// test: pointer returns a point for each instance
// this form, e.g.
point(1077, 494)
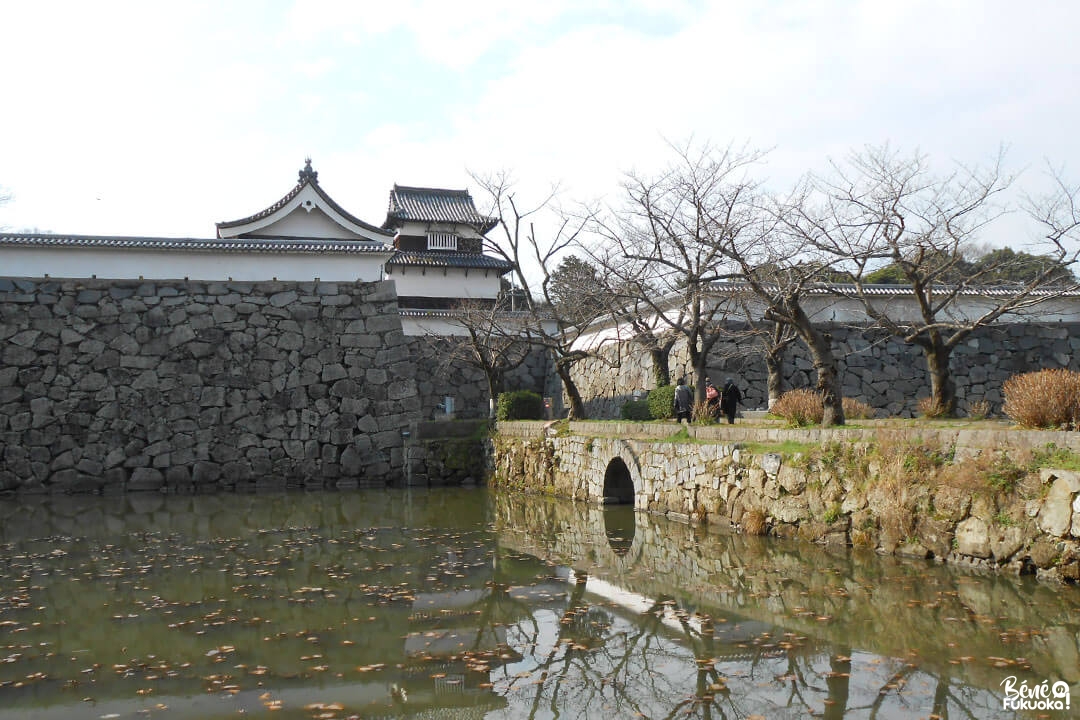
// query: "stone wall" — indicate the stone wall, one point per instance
point(440, 375)
point(887, 374)
point(894, 494)
point(130, 385)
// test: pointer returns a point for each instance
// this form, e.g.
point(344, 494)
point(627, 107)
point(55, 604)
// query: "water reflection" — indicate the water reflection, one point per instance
point(620, 524)
point(460, 604)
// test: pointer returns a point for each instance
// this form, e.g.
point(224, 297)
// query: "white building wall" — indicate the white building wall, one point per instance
point(301, 223)
point(70, 262)
point(825, 309)
point(422, 228)
point(445, 282)
point(415, 327)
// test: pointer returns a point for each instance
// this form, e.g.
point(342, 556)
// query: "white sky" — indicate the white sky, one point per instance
point(155, 118)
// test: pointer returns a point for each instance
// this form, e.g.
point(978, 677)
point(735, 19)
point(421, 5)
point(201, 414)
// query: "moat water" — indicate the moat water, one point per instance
point(470, 603)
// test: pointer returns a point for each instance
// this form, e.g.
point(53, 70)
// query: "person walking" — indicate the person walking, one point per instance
point(730, 397)
point(684, 401)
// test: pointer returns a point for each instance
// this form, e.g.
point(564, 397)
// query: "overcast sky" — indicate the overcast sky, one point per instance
point(155, 118)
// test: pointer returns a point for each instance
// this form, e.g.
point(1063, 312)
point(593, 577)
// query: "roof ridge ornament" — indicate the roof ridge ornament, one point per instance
point(307, 174)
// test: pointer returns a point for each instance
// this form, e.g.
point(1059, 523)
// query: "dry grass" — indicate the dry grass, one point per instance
point(862, 539)
point(929, 408)
point(753, 522)
point(1043, 399)
point(702, 414)
point(995, 471)
point(806, 407)
point(857, 409)
point(979, 410)
point(799, 407)
point(894, 509)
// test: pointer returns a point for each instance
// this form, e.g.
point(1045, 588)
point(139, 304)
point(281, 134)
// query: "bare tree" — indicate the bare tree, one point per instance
point(881, 206)
point(781, 283)
point(631, 300)
point(669, 238)
point(550, 323)
point(489, 343)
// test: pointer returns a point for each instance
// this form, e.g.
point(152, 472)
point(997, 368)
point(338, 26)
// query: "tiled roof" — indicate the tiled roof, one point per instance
point(850, 290)
point(435, 205)
point(238, 245)
point(419, 258)
point(307, 177)
point(452, 313)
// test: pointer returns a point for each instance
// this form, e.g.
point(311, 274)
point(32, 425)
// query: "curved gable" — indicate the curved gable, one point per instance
point(305, 212)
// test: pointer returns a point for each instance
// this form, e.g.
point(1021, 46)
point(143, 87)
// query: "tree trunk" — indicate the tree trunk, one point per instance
point(775, 381)
point(494, 383)
point(661, 368)
point(819, 344)
point(828, 379)
point(577, 406)
point(700, 368)
point(838, 683)
point(942, 384)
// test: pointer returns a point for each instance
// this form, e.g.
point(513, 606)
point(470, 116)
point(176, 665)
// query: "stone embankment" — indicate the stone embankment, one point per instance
point(968, 498)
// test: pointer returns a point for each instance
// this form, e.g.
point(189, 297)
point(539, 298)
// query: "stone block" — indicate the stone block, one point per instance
point(333, 372)
point(770, 463)
point(26, 338)
point(204, 473)
point(1070, 478)
point(282, 299)
point(1055, 517)
point(336, 300)
point(145, 478)
point(972, 538)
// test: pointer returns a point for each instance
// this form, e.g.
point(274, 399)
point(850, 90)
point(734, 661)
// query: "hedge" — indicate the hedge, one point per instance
point(662, 402)
point(636, 410)
point(520, 405)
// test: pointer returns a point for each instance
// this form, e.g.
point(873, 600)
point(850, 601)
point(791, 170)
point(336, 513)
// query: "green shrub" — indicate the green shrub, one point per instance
point(1051, 456)
point(636, 410)
point(662, 402)
point(1005, 473)
point(520, 405)
point(1043, 399)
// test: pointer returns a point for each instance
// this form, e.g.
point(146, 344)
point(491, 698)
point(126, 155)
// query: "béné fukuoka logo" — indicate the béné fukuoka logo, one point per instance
point(1042, 696)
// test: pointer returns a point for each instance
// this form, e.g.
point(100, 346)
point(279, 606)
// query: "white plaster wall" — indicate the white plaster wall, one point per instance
point(422, 228)
point(68, 262)
point(844, 310)
point(415, 327)
point(303, 223)
point(448, 282)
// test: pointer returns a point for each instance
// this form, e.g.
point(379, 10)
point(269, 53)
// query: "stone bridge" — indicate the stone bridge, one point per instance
point(844, 487)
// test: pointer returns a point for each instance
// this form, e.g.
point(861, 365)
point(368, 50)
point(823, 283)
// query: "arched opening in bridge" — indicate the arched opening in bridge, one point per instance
point(618, 485)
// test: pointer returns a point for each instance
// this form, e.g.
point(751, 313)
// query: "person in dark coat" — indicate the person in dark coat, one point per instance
point(730, 397)
point(684, 401)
